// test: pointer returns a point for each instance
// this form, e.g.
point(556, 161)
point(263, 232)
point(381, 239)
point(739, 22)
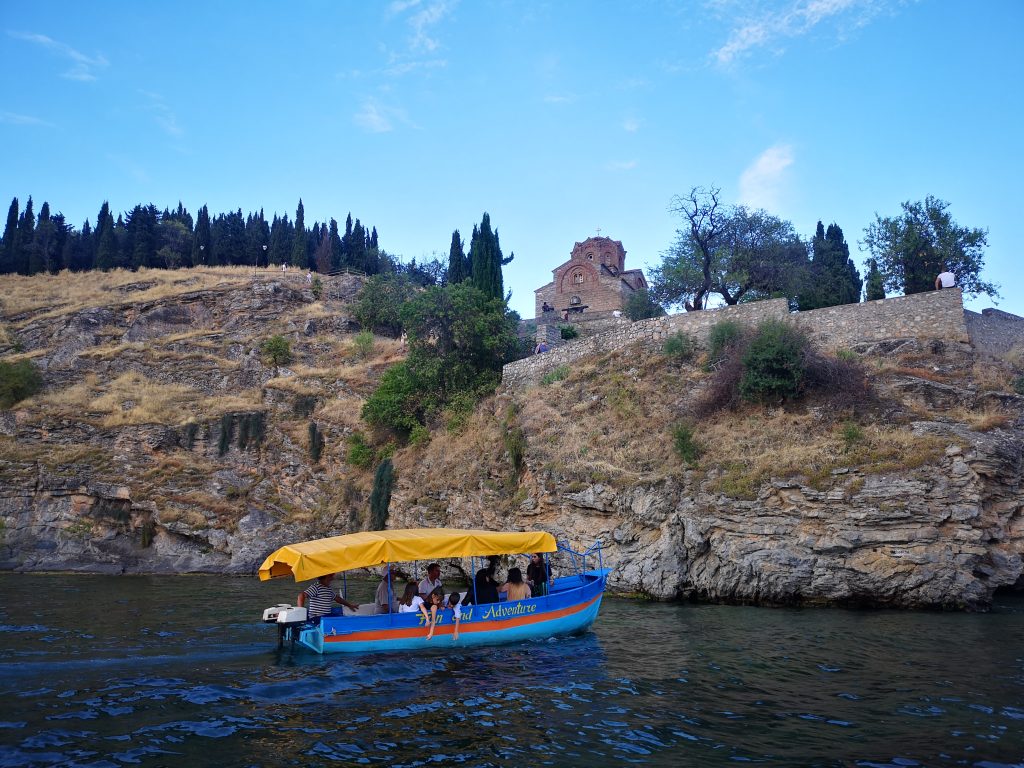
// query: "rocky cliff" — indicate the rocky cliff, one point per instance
point(164, 441)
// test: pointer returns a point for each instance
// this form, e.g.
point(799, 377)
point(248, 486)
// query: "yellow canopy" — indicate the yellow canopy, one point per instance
point(310, 559)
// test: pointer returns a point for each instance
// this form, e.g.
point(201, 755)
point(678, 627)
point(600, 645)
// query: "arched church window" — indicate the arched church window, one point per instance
point(577, 278)
point(590, 257)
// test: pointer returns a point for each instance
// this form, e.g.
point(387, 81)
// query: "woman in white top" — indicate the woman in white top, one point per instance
point(412, 602)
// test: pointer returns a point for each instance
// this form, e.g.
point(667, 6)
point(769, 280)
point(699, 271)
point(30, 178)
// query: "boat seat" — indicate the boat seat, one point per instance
point(365, 609)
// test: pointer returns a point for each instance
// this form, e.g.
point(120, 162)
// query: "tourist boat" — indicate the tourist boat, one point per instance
point(571, 605)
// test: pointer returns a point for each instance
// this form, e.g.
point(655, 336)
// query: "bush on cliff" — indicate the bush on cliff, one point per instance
point(276, 350)
point(18, 381)
point(776, 363)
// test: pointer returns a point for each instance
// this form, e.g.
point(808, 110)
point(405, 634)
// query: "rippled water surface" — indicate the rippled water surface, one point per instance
point(115, 671)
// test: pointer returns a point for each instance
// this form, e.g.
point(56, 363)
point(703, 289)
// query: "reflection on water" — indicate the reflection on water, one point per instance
point(114, 671)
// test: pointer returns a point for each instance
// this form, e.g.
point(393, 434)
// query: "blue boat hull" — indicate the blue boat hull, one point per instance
point(571, 607)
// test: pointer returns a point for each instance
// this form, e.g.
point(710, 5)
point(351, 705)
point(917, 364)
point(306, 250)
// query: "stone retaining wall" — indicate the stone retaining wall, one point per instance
point(931, 315)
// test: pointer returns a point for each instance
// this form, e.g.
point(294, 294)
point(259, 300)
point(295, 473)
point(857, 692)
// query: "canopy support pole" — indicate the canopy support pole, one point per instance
point(472, 570)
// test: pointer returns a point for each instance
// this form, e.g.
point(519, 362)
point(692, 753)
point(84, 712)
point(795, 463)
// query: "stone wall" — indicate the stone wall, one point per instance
point(994, 332)
point(931, 315)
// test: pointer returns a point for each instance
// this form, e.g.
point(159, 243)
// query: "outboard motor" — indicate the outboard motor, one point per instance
point(287, 617)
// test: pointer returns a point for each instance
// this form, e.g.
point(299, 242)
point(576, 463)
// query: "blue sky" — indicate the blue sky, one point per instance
point(555, 117)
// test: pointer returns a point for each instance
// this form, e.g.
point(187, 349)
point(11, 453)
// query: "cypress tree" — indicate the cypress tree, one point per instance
point(336, 247)
point(486, 260)
point(456, 260)
point(42, 257)
point(380, 496)
point(26, 238)
point(10, 242)
point(201, 238)
point(298, 257)
point(874, 288)
point(106, 242)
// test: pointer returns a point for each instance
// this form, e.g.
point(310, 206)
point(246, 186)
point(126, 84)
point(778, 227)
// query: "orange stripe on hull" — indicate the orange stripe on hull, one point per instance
point(448, 629)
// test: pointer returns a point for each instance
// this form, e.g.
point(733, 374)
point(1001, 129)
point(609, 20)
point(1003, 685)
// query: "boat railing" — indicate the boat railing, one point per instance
point(579, 559)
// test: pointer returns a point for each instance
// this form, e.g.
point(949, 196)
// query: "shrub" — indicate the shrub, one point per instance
point(851, 434)
point(276, 350)
point(725, 335)
point(568, 332)
point(191, 430)
point(557, 374)
point(773, 363)
point(847, 355)
point(1018, 385)
point(364, 343)
point(679, 347)
point(396, 401)
point(460, 408)
point(18, 381)
point(316, 442)
point(515, 444)
point(419, 435)
point(686, 446)
point(360, 453)
point(317, 288)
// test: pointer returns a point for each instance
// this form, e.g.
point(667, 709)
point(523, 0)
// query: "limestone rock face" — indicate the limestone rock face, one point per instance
point(942, 536)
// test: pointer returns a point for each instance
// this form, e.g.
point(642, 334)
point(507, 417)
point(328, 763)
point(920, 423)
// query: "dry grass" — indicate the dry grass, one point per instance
point(342, 411)
point(992, 377)
point(53, 295)
point(134, 399)
point(981, 419)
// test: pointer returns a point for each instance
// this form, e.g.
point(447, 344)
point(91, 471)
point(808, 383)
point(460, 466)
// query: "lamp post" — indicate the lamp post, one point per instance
point(202, 256)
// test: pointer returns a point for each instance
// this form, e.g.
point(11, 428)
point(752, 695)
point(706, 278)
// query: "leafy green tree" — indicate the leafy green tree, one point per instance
point(733, 252)
point(378, 307)
point(458, 339)
point(457, 267)
point(280, 241)
point(832, 278)
point(640, 305)
point(874, 288)
point(143, 240)
point(276, 350)
point(175, 248)
point(335, 241)
point(380, 496)
point(911, 249)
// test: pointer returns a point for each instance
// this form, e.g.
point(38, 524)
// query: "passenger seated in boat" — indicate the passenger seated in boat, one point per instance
point(411, 601)
point(486, 587)
point(321, 598)
point(384, 605)
point(515, 587)
point(435, 602)
point(432, 580)
point(453, 603)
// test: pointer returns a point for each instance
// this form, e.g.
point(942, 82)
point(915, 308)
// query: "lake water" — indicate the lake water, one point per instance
point(178, 671)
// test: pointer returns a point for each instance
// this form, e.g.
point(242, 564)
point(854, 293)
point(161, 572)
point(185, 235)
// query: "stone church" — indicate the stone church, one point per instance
point(593, 281)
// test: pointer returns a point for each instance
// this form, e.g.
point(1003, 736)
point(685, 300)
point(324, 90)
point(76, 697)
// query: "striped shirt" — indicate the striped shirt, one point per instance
point(320, 599)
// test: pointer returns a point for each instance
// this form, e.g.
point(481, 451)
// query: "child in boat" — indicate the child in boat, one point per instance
point(453, 603)
point(412, 602)
point(515, 587)
point(435, 601)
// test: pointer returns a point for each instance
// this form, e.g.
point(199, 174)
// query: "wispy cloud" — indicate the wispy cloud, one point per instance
point(772, 28)
point(762, 182)
point(424, 19)
point(13, 118)
point(631, 125)
point(622, 165)
point(164, 116)
point(559, 98)
point(375, 117)
point(83, 67)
